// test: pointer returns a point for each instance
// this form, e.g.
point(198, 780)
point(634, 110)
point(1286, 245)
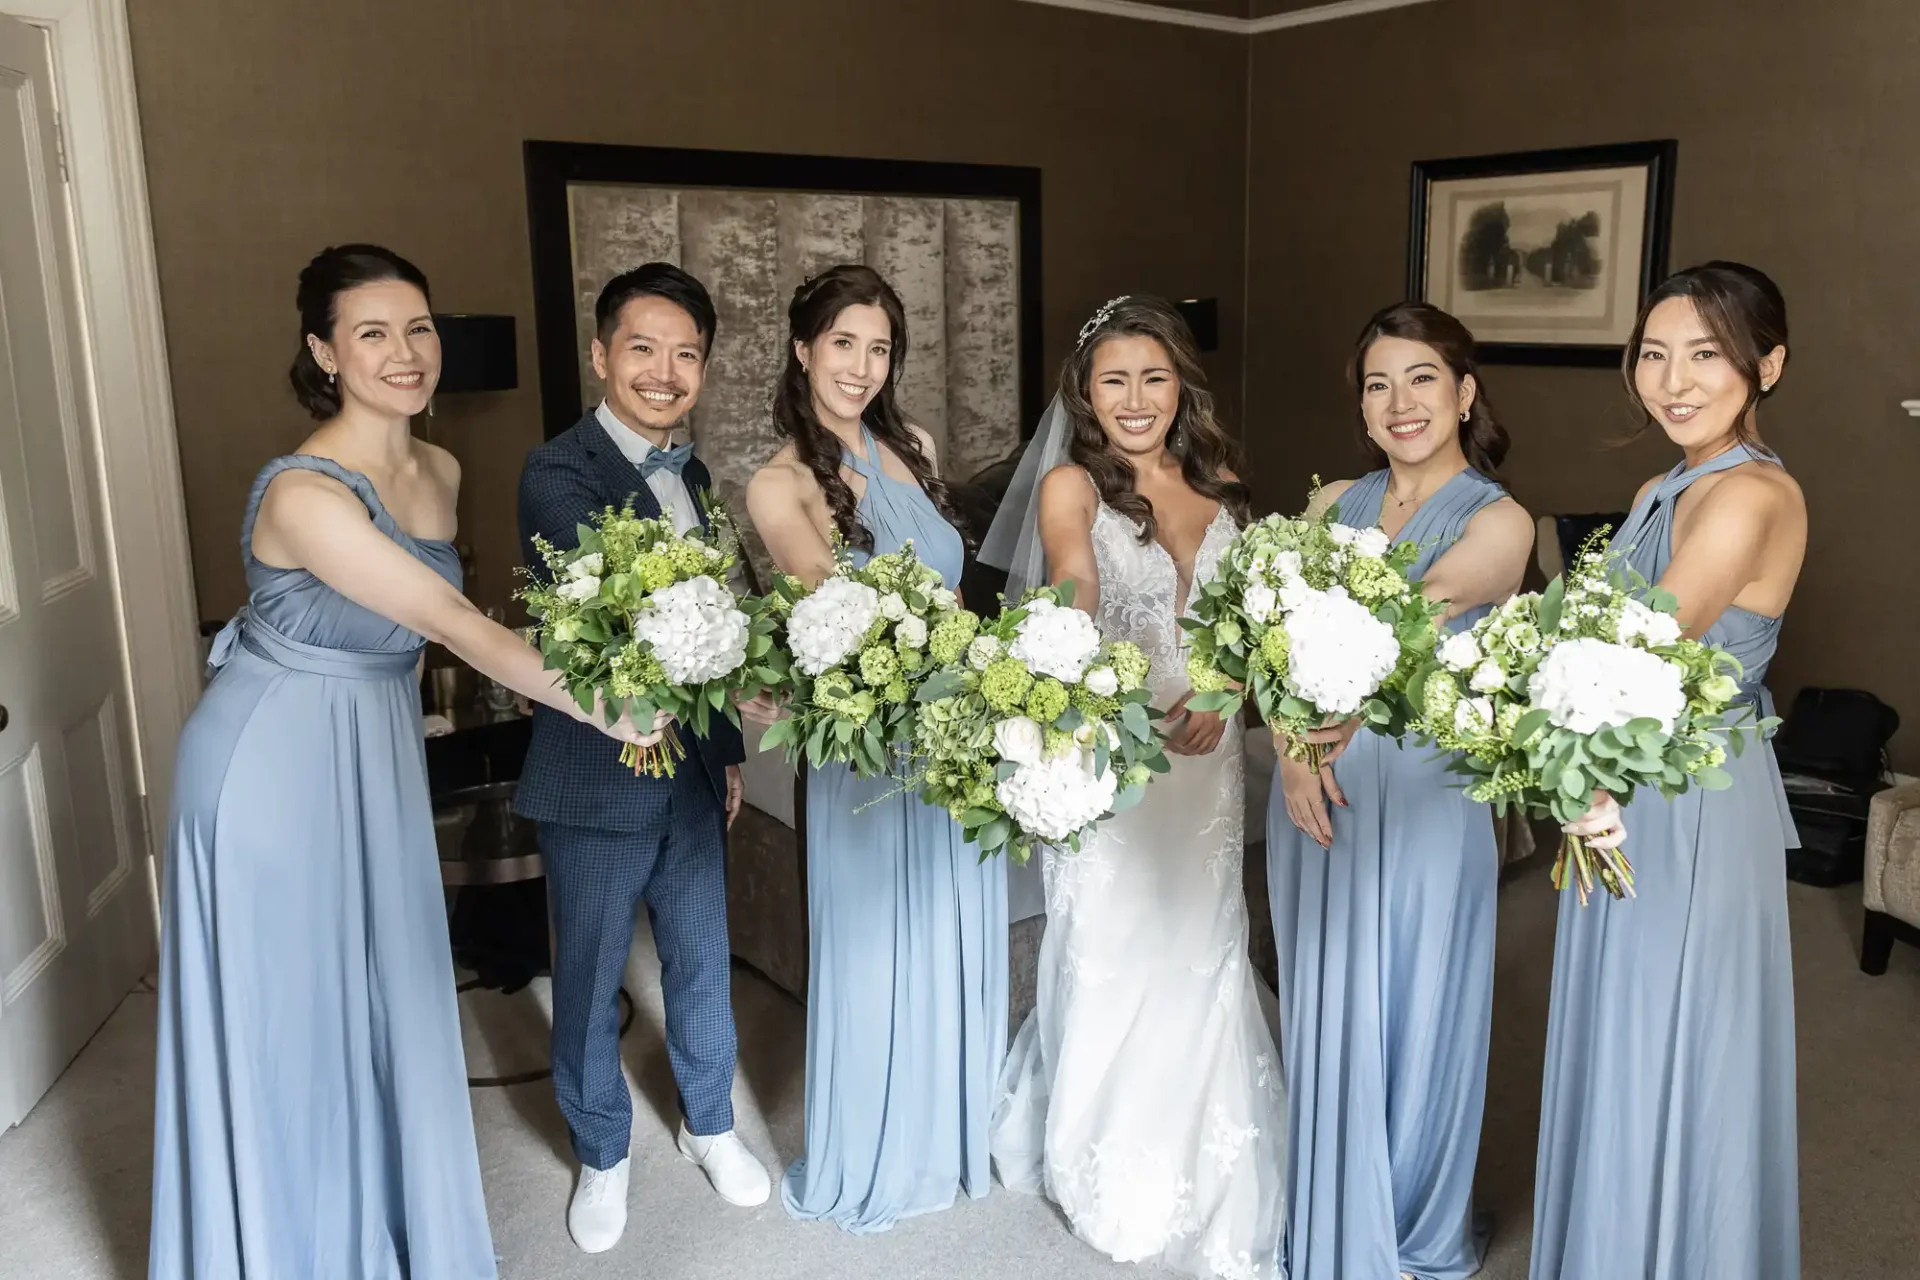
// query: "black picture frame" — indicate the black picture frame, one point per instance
point(551, 166)
point(1658, 158)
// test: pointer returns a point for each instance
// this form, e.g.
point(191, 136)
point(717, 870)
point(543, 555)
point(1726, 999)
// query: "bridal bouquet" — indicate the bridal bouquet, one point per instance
point(854, 650)
point(641, 616)
point(1586, 686)
point(1317, 621)
point(1034, 729)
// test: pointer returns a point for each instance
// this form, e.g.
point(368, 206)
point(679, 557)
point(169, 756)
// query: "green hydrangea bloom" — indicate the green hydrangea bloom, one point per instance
point(1129, 664)
point(1046, 700)
point(1004, 685)
point(878, 665)
point(1371, 580)
point(896, 691)
point(1056, 743)
point(655, 570)
point(635, 670)
point(1273, 649)
point(1439, 699)
point(951, 636)
point(689, 559)
point(911, 660)
point(1202, 675)
point(1092, 705)
point(1136, 776)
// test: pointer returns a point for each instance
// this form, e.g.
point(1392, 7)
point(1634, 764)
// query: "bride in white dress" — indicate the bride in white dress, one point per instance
point(1144, 1094)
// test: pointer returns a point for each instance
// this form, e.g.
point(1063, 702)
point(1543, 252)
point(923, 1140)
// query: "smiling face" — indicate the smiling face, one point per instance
point(653, 363)
point(1411, 401)
point(849, 362)
point(384, 349)
point(1135, 393)
point(1687, 382)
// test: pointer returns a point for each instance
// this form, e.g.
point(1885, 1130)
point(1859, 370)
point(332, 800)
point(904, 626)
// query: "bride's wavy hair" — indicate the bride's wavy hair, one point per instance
point(816, 304)
point(1205, 450)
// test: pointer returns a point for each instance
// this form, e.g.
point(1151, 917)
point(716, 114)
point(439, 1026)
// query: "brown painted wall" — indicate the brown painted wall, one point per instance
point(1798, 153)
point(272, 129)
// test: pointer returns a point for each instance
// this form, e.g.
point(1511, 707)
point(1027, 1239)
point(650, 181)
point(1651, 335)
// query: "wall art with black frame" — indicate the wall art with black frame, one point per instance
point(1544, 255)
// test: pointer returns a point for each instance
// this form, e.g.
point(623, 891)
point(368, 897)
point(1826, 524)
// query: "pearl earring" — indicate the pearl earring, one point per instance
point(1466, 415)
point(1766, 386)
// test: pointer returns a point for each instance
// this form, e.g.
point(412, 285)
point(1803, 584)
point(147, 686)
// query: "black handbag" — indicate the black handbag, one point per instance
point(1832, 751)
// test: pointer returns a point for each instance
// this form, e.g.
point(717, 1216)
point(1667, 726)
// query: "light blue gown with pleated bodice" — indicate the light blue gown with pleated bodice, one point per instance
point(311, 1115)
point(1385, 945)
point(907, 990)
point(1668, 1147)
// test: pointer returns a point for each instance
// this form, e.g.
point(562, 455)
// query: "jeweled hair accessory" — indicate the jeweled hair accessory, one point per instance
point(1100, 317)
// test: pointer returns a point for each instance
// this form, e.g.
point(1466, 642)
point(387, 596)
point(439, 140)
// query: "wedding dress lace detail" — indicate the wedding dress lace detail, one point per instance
point(1144, 1094)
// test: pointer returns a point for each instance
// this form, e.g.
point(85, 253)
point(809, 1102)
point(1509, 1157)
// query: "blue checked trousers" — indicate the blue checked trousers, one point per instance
point(597, 879)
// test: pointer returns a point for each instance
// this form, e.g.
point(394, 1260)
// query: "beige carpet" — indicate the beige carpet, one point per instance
point(74, 1175)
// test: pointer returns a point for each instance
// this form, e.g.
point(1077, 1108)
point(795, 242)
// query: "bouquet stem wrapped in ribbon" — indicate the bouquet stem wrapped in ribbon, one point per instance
point(1035, 728)
point(1317, 622)
point(640, 618)
point(1587, 686)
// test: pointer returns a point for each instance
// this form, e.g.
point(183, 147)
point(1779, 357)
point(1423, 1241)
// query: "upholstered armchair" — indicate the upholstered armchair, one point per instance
point(1891, 886)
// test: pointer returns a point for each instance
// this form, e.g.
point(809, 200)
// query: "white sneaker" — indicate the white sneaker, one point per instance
point(598, 1215)
point(730, 1167)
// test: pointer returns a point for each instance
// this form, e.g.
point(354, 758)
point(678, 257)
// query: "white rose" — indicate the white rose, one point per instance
point(1489, 678)
point(1103, 682)
point(982, 652)
point(1260, 601)
point(1472, 715)
point(587, 566)
point(1461, 651)
point(1372, 542)
point(579, 590)
point(1294, 592)
point(1344, 534)
point(1019, 739)
point(1288, 565)
point(911, 631)
point(892, 607)
point(944, 599)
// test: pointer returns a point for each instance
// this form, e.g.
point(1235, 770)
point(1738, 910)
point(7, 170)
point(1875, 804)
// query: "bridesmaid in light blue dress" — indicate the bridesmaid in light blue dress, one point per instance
point(1383, 911)
point(907, 993)
point(1667, 1129)
point(311, 1115)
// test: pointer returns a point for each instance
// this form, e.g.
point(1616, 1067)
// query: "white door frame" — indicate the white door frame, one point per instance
point(119, 289)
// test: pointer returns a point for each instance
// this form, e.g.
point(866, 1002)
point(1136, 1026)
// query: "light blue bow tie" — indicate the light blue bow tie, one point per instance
point(673, 460)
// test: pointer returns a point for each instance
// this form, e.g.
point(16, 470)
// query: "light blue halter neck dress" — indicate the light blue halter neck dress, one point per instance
point(1668, 1146)
point(907, 989)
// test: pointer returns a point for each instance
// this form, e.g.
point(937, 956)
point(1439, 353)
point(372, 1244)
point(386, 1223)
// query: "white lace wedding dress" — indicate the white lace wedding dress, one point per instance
point(1144, 1095)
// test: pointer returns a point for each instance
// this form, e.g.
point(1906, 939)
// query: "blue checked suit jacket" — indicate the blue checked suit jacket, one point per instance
point(573, 773)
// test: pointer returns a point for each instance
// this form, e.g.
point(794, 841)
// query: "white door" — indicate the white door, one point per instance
point(75, 930)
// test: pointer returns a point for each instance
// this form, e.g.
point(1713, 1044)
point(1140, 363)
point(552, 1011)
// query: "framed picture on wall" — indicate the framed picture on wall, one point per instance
point(1545, 255)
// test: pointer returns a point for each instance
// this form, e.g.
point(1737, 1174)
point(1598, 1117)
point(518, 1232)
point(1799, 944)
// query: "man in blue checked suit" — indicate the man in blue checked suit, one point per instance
point(611, 840)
